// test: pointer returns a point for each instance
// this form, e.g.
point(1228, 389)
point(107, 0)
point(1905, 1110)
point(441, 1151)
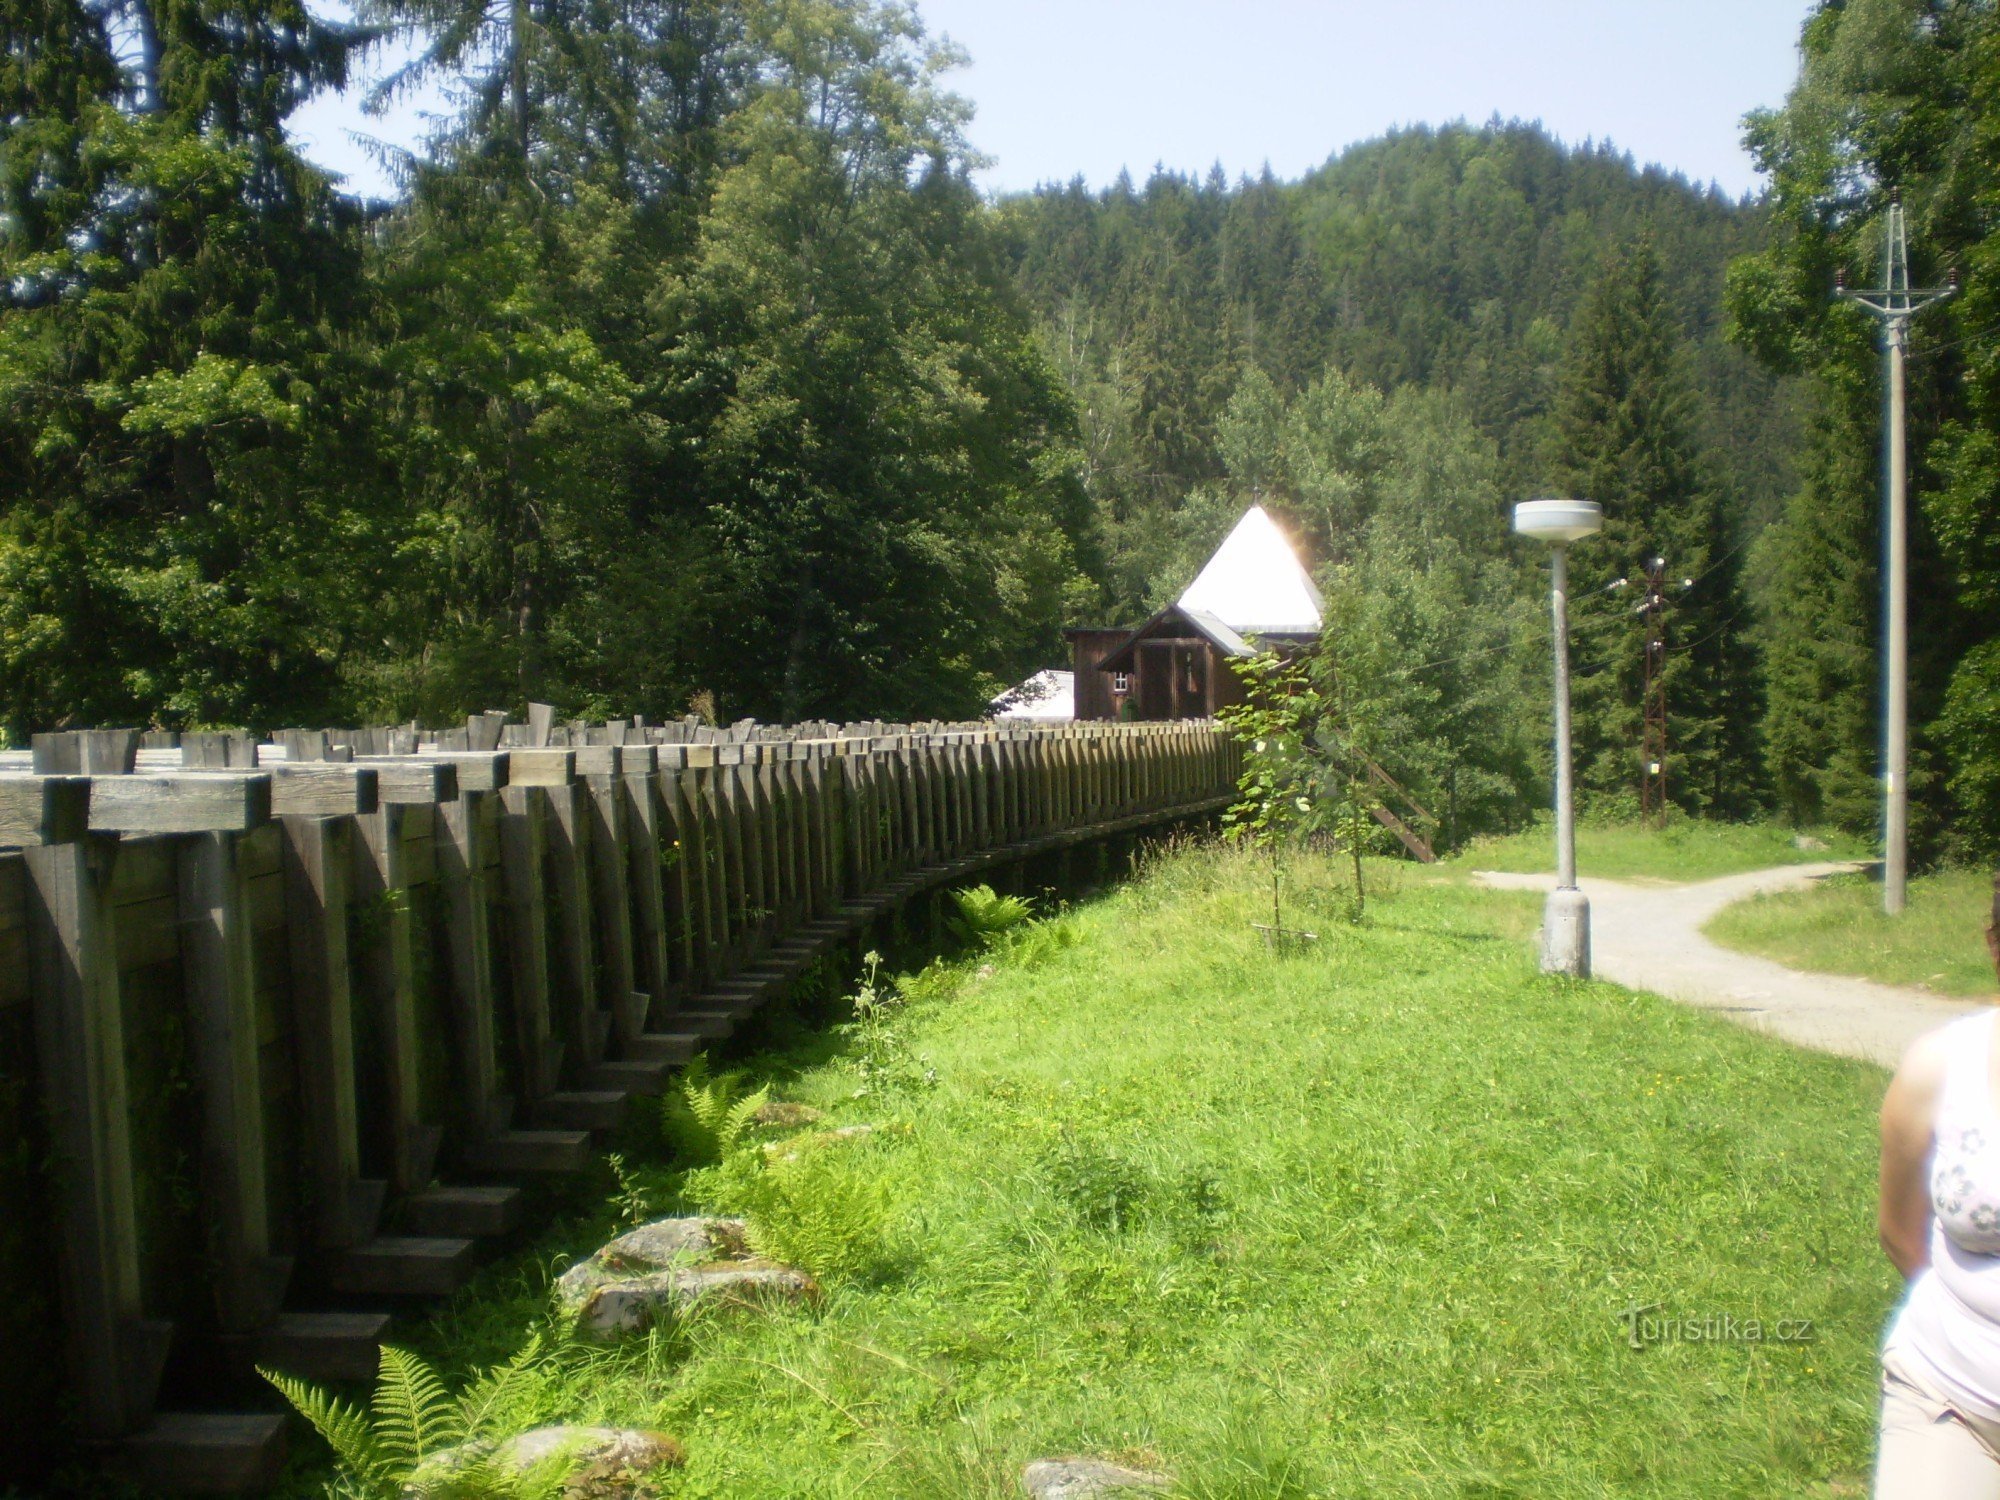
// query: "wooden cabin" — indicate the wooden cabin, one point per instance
point(1252, 595)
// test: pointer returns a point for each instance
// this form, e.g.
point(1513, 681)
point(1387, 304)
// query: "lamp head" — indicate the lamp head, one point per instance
point(1558, 521)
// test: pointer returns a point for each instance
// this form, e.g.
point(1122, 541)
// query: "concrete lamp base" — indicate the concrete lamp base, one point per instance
point(1566, 934)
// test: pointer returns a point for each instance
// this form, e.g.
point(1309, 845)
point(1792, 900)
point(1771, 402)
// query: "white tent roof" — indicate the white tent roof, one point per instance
point(1255, 584)
point(1046, 698)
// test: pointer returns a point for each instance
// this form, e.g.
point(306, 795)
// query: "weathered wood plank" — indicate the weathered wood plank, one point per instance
point(325, 789)
point(523, 862)
point(463, 857)
point(408, 780)
point(37, 810)
point(191, 802)
point(385, 988)
point(220, 983)
point(574, 995)
point(318, 865)
point(611, 839)
point(542, 767)
point(80, 1049)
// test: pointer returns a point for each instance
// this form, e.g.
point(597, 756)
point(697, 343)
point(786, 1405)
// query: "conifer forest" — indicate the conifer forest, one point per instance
point(688, 366)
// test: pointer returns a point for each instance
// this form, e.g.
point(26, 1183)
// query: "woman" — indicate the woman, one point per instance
point(1940, 1223)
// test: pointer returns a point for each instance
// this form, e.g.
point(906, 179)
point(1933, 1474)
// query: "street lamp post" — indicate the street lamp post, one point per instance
point(1566, 918)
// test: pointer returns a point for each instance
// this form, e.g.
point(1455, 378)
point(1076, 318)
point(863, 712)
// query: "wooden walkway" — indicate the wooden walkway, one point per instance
point(285, 1028)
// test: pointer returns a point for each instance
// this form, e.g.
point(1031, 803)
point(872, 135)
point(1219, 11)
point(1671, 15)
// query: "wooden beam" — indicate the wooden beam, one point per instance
point(189, 802)
point(406, 779)
point(38, 810)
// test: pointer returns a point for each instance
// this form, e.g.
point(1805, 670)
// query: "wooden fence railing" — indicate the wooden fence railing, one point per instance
point(282, 1029)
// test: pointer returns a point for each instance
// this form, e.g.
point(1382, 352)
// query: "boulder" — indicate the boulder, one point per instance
point(637, 1303)
point(649, 1249)
point(658, 1270)
point(1087, 1478)
point(597, 1463)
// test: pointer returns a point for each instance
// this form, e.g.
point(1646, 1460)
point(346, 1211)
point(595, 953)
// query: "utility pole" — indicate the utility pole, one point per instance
point(1653, 736)
point(1894, 303)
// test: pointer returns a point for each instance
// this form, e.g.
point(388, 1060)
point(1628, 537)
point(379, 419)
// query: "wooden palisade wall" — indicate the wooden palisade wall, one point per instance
point(279, 1035)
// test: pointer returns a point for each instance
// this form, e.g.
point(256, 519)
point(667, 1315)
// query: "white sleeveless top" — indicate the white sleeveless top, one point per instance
point(1949, 1325)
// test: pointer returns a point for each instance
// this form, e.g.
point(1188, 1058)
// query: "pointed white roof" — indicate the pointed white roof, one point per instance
point(1046, 698)
point(1255, 584)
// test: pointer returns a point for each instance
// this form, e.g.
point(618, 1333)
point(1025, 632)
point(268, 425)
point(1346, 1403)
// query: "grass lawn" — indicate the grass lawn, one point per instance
point(1686, 849)
point(1359, 1222)
point(1837, 927)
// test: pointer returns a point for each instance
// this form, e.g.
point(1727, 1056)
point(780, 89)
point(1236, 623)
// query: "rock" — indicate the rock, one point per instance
point(1809, 844)
point(782, 1114)
point(659, 1270)
point(599, 1463)
point(1086, 1478)
point(798, 1145)
point(637, 1303)
point(649, 1249)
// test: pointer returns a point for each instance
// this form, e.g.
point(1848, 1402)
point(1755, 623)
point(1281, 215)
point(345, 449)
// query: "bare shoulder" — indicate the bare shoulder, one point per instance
point(1921, 1072)
point(1930, 1054)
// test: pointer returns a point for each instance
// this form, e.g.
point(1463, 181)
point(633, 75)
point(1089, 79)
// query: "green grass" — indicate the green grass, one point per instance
point(1686, 849)
point(1838, 927)
point(1360, 1222)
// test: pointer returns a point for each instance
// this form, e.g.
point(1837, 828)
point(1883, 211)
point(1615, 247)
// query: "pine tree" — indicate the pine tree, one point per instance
point(1624, 436)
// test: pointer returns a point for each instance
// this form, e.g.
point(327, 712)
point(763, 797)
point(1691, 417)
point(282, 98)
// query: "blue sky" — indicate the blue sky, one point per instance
point(1092, 86)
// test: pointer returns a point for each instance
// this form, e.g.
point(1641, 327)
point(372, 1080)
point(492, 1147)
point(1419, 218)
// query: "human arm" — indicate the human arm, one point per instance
point(1909, 1111)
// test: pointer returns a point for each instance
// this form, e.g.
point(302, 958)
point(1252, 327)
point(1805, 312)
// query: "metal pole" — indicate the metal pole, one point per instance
point(1896, 834)
point(1895, 302)
point(1565, 791)
point(1566, 915)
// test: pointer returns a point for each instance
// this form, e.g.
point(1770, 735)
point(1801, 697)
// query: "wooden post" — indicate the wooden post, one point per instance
point(317, 857)
point(216, 964)
point(114, 1353)
point(585, 1023)
point(465, 827)
point(742, 885)
point(385, 981)
point(607, 889)
point(689, 799)
point(654, 886)
point(524, 859)
point(758, 877)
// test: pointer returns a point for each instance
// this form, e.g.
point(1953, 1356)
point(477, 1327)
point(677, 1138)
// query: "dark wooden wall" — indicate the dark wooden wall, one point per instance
point(281, 1039)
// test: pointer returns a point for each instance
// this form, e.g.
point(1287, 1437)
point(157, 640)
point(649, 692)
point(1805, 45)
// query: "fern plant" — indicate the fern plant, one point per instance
point(824, 1214)
point(985, 917)
point(707, 1117)
point(417, 1439)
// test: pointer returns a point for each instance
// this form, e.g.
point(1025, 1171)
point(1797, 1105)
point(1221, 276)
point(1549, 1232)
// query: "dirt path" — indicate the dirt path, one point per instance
point(1649, 937)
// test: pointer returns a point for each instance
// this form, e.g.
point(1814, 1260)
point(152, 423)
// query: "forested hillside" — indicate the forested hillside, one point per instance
point(1453, 260)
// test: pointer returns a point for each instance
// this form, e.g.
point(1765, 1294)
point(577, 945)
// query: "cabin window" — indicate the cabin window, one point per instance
point(1121, 682)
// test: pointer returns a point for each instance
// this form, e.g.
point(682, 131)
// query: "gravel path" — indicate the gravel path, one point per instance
point(1648, 937)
